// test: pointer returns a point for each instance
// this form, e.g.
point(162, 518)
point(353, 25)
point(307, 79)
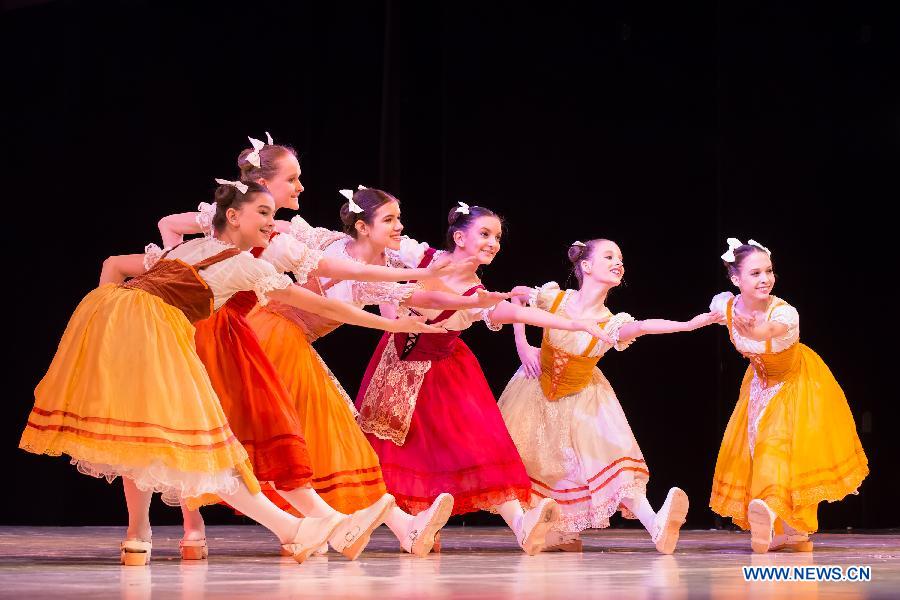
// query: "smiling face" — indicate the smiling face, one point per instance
point(386, 230)
point(605, 264)
point(285, 184)
point(252, 223)
point(755, 276)
point(481, 238)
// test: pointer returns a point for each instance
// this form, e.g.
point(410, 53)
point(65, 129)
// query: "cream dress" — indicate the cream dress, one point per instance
point(579, 449)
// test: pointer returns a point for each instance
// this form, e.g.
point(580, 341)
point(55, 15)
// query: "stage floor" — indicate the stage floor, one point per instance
point(477, 562)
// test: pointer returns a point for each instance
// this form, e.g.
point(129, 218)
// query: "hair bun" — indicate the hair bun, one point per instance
point(225, 195)
point(347, 218)
point(576, 252)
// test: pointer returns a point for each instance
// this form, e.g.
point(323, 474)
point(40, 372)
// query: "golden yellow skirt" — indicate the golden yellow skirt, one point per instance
point(126, 395)
point(806, 451)
point(346, 470)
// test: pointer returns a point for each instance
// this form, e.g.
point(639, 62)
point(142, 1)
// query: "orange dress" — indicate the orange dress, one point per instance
point(346, 470)
point(258, 405)
point(791, 440)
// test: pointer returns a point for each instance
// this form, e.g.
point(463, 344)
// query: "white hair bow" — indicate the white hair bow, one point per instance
point(463, 208)
point(760, 246)
point(205, 217)
point(734, 244)
point(348, 194)
point(241, 187)
point(253, 157)
point(577, 243)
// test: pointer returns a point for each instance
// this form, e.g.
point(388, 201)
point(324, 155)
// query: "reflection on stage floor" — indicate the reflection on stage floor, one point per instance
point(476, 562)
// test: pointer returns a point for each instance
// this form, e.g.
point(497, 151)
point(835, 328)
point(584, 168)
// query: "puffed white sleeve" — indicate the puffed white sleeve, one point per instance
point(258, 275)
point(317, 238)
point(409, 255)
point(152, 254)
point(789, 316)
point(287, 254)
point(720, 302)
point(542, 296)
point(613, 326)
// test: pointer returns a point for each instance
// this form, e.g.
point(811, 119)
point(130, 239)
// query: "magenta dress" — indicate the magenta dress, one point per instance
point(432, 419)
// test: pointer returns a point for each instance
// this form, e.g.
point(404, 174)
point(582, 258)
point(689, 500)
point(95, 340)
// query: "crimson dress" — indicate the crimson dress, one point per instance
point(432, 419)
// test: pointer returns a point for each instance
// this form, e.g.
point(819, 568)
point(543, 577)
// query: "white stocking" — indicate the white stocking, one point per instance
point(307, 501)
point(138, 503)
point(398, 522)
point(194, 527)
point(512, 513)
point(641, 509)
point(260, 509)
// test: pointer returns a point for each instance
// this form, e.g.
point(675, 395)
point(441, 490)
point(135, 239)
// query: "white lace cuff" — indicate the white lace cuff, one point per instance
point(152, 254)
point(307, 264)
point(539, 293)
point(612, 329)
point(268, 283)
point(383, 292)
point(486, 317)
point(205, 217)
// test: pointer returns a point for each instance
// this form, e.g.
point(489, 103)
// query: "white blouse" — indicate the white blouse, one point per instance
point(783, 313)
point(228, 277)
point(287, 254)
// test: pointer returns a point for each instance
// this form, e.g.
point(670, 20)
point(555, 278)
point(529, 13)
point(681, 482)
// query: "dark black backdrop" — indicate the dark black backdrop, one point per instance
point(664, 126)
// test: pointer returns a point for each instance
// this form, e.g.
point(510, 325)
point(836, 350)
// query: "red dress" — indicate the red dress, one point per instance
point(455, 439)
point(256, 402)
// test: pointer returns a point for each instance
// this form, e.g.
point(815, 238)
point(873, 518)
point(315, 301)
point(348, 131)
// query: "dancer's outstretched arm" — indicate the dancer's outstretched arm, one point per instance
point(635, 329)
point(448, 301)
point(339, 268)
point(347, 313)
point(506, 312)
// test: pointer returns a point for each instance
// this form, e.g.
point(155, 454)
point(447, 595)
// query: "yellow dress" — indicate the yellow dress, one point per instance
point(127, 395)
point(791, 440)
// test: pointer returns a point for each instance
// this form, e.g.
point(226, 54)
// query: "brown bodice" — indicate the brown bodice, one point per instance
point(180, 285)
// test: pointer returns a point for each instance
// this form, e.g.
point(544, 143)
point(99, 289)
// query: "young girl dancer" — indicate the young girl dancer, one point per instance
point(346, 471)
point(791, 441)
point(127, 395)
point(427, 408)
point(568, 425)
point(258, 406)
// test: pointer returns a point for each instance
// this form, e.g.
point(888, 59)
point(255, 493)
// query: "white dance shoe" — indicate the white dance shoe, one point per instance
point(535, 523)
point(351, 536)
point(311, 534)
point(762, 525)
point(669, 519)
point(419, 539)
